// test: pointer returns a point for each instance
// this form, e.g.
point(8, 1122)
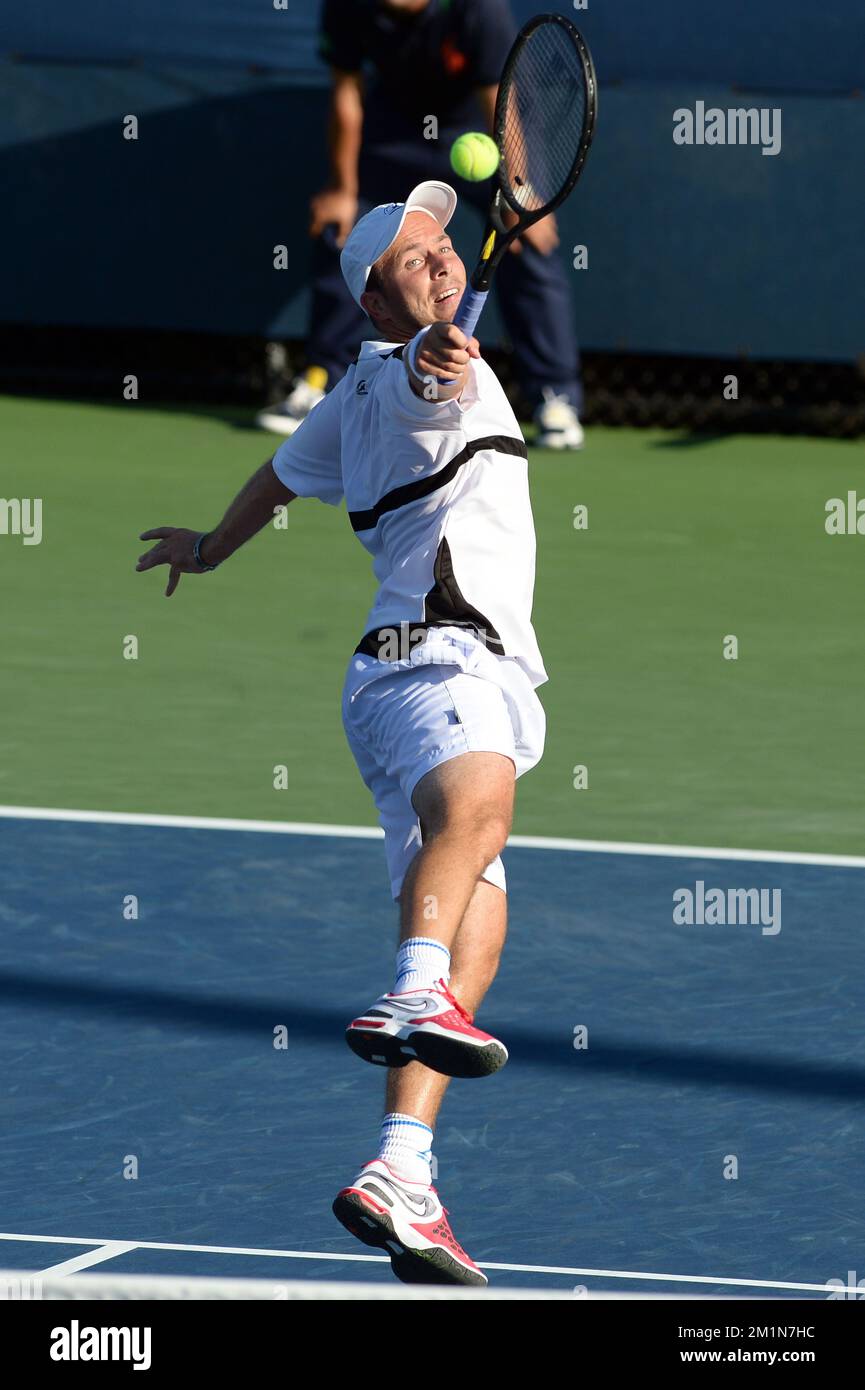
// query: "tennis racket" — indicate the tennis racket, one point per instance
point(544, 122)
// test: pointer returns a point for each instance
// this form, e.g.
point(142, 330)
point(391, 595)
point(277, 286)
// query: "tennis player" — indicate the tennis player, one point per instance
point(439, 702)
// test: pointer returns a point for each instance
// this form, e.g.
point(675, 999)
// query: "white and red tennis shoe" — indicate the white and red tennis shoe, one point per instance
point(407, 1221)
point(425, 1025)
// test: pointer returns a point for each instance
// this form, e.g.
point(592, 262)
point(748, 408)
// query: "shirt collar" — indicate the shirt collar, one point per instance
point(374, 349)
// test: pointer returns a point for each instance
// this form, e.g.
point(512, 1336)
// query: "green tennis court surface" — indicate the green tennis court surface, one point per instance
point(688, 541)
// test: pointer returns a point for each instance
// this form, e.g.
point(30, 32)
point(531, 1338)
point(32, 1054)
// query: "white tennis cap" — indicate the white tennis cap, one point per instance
point(377, 230)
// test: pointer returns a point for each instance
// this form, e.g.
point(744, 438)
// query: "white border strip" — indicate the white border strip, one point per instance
point(365, 832)
point(121, 1287)
point(486, 1264)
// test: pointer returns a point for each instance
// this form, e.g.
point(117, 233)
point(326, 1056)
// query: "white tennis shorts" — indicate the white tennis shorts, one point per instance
point(403, 718)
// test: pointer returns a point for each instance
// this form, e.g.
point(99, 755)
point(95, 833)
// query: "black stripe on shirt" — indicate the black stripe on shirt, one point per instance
point(446, 604)
point(412, 492)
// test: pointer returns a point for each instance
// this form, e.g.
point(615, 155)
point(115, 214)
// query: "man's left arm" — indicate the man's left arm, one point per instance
point(251, 510)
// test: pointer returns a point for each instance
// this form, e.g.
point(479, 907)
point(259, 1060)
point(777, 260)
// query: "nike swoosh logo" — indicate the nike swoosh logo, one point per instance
point(419, 1006)
point(421, 1206)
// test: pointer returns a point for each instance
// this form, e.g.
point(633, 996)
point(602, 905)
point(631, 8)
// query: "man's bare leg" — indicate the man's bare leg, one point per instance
point(417, 1090)
point(418, 1237)
point(465, 807)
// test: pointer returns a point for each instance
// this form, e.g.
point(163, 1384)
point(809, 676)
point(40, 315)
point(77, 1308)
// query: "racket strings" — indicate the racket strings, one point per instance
point(545, 117)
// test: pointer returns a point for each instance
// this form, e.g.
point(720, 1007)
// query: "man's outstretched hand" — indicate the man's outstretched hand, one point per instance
point(175, 548)
point(445, 350)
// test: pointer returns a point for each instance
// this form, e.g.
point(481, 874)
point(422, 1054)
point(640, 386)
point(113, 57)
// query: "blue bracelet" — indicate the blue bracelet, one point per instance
point(414, 349)
point(196, 552)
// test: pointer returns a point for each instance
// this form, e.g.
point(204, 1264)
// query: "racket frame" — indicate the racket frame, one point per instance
point(497, 236)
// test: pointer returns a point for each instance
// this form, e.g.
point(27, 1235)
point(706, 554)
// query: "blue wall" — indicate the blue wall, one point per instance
point(793, 45)
point(702, 249)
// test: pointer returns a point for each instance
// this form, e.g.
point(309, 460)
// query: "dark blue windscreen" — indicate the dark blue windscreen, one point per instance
point(775, 44)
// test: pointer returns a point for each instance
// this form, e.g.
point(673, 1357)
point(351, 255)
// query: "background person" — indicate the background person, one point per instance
point(394, 63)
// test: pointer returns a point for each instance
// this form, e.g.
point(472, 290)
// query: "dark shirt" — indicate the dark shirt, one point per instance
point(423, 64)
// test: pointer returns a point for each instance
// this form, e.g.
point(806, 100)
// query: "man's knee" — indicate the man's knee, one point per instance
point(470, 799)
point(481, 829)
point(492, 829)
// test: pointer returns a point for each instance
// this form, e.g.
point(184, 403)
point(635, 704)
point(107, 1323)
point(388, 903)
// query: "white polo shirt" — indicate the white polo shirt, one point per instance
point(436, 491)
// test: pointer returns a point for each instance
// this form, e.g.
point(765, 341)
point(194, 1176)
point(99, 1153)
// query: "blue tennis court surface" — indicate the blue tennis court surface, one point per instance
point(149, 1041)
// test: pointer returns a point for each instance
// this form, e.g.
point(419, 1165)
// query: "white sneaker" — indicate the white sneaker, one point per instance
point(286, 417)
point(425, 1025)
point(558, 423)
point(408, 1222)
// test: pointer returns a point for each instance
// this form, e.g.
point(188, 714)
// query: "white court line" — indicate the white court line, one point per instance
point(275, 827)
point(381, 1259)
point(367, 832)
point(205, 1249)
point(90, 1257)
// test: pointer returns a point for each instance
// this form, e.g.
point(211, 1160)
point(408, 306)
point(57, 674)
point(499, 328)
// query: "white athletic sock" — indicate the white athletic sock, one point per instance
point(420, 961)
point(406, 1147)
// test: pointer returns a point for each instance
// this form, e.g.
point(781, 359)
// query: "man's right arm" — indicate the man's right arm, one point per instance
point(441, 351)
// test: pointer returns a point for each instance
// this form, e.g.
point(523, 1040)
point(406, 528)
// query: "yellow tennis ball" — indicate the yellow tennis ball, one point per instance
point(474, 156)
